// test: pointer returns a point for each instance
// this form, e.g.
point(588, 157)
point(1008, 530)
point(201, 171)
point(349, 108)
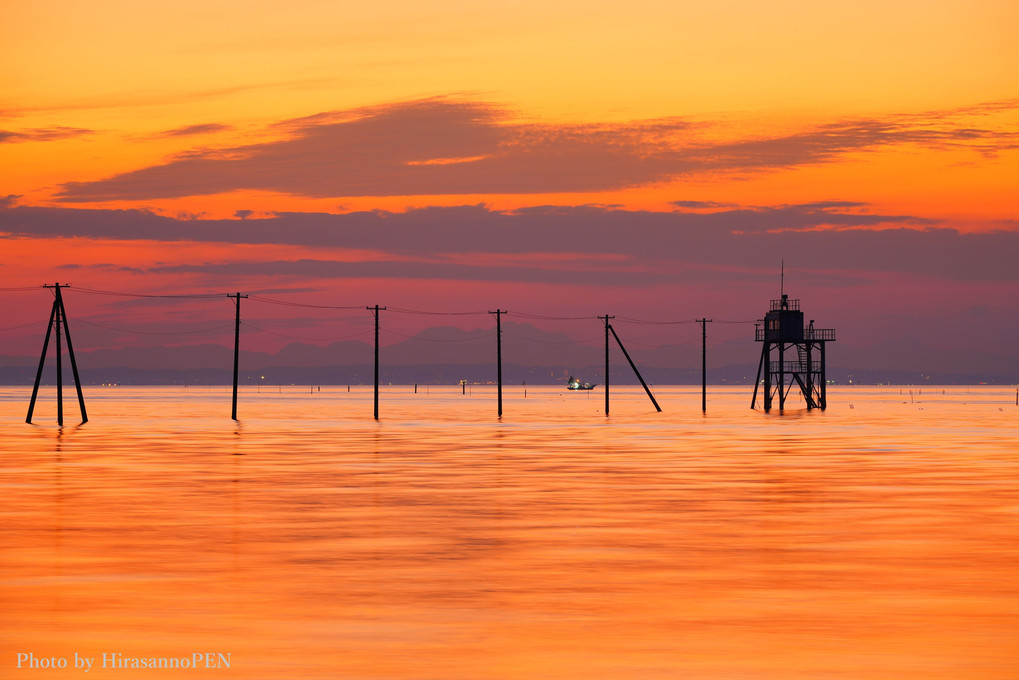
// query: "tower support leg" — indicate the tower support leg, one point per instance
point(757, 382)
point(809, 387)
point(824, 381)
point(781, 376)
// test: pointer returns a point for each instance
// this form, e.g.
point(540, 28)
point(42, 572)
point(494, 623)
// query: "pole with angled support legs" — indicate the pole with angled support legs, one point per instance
point(58, 321)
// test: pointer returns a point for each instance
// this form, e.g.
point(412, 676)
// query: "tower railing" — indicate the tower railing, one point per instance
point(819, 334)
point(794, 366)
point(787, 304)
point(808, 335)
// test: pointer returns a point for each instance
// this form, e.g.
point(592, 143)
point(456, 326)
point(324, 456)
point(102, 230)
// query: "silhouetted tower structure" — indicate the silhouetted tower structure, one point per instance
point(792, 354)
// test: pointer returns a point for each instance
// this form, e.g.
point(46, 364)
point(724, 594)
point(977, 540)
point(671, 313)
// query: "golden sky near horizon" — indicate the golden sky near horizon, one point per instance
point(125, 74)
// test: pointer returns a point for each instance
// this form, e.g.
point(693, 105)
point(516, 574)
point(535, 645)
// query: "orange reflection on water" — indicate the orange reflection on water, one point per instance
point(309, 541)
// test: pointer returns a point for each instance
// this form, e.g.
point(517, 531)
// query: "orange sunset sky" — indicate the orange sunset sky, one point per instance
point(653, 159)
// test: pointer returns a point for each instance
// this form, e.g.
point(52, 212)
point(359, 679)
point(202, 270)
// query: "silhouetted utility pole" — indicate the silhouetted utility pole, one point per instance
point(498, 352)
point(606, 318)
point(704, 362)
point(58, 317)
point(634, 367)
point(237, 349)
point(375, 311)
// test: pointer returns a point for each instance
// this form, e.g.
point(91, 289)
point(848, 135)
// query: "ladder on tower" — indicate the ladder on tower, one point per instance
point(804, 369)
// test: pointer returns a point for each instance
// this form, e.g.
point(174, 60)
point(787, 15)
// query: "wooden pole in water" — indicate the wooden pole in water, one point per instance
point(375, 311)
point(498, 353)
point(237, 350)
point(704, 363)
point(60, 374)
point(606, 318)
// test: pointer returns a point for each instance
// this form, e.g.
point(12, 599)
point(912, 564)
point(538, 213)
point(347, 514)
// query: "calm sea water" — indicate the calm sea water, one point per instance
point(878, 539)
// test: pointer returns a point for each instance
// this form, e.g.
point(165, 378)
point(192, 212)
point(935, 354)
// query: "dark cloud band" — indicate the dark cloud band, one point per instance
point(838, 237)
point(448, 147)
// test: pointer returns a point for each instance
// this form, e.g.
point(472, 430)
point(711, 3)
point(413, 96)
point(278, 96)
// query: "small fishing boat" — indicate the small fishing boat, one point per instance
point(575, 384)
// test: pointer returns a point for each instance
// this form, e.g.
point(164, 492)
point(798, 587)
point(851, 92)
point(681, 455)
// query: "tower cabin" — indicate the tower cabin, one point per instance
point(792, 354)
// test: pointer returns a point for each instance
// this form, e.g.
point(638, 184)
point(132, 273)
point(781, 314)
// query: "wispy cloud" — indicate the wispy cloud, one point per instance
point(191, 130)
point(701, 205)
point(42, 134)
point(444, 146)
point(105, 266)
point(156, 97)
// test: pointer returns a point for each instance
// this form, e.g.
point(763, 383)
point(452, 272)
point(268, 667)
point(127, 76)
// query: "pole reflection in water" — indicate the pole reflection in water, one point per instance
point(869, 542)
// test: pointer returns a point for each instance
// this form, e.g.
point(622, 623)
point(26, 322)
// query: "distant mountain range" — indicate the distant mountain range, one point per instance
point(447, 355)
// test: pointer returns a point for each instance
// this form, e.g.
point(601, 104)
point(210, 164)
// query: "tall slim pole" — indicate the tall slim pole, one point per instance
point(704, 362)
point(375, 311)
point(237, 349)
point(60, 373)
point(70, 355)
point(606, 318)
point(498, 353)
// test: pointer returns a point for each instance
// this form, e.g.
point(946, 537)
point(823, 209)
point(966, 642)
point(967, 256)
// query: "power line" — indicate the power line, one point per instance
point(114, 293)
point(288, 303)
point(399, 310)
point(735, 341)
point(248, 324)
point(416, 337)
point(651, 344)
point(657, 323)
point(543, 317)
point(402, 310)
point(24, 325)
point(126, 330)
point(550, 342)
